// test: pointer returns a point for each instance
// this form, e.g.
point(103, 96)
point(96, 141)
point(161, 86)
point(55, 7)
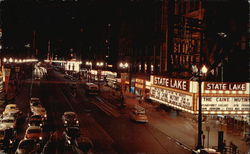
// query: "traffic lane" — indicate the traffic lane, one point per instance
point(129, 137)
point(174, 126)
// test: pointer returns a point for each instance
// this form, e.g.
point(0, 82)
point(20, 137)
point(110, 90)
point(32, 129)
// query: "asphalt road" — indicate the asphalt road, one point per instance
point(108, 126)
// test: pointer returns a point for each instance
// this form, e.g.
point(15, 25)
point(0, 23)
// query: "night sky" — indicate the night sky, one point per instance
point(69, 25)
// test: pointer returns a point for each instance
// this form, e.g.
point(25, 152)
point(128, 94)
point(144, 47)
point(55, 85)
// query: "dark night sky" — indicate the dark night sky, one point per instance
point(66, 24)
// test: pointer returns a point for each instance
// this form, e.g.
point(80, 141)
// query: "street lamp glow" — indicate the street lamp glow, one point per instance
point(4, 60)
point(126, 65)
point(10, 60)
point(204, 69)
point(15, 60)
point(121, 65)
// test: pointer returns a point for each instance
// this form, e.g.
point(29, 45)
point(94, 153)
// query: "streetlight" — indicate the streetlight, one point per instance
point(4, 60)
point(99, 65)
point(10, 60)
point(199, 74)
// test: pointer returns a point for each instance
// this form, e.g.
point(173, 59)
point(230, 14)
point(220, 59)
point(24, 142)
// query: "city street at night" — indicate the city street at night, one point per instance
point(124, 77)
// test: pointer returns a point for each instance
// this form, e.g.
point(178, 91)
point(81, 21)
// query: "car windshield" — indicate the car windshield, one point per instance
point(8, 121)
point(70, 116)
point(32, 131)
point(26, 144)
point(36, 104)
point(36, 117)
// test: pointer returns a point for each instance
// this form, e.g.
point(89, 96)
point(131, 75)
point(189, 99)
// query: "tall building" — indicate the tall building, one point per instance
point(140, 35)
point(169, 37)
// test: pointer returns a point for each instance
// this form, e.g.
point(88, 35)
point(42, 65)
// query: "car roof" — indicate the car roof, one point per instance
point(69, 112)
point(11, 105)
point(34, 98)
point(34, 127)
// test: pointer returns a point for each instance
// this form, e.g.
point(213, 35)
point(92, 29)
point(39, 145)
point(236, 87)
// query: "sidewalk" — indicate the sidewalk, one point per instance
point(182, 127)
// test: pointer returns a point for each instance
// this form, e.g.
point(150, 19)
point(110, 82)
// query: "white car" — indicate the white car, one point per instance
point(11, 110)
point(34, 104)
point(33, 100)
point(34, 132)
point(40, 111)
point(8, 122)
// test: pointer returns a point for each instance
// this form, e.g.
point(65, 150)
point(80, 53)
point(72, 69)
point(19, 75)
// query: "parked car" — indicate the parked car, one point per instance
point(35, 106)
point(11, 110)
point(36, 120)
point(40, 111)
point(33, 100)
point(34, 132)
point(8, 122)
point(70, 119)
point(7, 137)
point(27, 146)
point(138, 113)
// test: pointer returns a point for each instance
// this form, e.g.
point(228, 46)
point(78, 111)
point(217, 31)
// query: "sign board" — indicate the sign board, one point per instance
point(172, 98)
point(216, 103)
point(178, 84)
point(235, 86)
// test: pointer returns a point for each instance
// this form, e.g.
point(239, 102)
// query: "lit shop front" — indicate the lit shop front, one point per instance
point(97, 75)
point(217, 98)
point(111, 78)
point(225, 98)
point(142, 87)
point(172, 92)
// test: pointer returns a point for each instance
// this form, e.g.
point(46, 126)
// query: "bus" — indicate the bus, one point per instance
point(92, 89)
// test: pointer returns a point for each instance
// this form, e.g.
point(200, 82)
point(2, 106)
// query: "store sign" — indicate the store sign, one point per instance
point(138, 85)
point(141, 81)
point(177, 99)
point(225, 103)
point(225, 86)
point(171, 83)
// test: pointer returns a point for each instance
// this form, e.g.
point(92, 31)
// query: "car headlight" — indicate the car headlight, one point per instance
point(28, 124)
point(11, 141)
point(41, 124)
point(45, 115)
point(40, 138)
point(68, 141)
point(65, 122)
point(77, 121)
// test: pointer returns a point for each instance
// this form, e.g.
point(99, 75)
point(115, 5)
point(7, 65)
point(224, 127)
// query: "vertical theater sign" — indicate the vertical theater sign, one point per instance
point(217, 97)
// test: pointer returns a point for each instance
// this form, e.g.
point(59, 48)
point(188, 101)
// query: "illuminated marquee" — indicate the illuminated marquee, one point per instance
point(172, 98)
point(225, 103)
point(171, 83)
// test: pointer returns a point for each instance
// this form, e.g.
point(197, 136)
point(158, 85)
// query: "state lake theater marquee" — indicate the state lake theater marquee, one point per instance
point(226, 98)
point(217, 97)
point(172, 92)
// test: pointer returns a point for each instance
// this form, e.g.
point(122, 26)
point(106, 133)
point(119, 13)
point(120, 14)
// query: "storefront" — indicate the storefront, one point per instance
point(218, 98)
point(97, 75)
point(111, 79)
point(172, 92)
point(125, 82)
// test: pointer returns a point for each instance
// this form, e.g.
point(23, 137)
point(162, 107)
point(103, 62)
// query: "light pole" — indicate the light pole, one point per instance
point(199, 73)
point(88, 63)
point(99, 65)
point(125, 65)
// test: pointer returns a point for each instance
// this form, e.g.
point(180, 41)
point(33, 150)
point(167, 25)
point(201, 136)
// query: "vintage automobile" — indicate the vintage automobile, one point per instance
point(138, 114)
point(70, 119)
